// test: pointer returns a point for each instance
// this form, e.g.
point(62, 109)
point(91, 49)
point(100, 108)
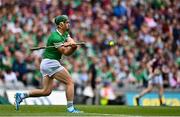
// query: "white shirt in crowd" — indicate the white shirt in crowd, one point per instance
point(10, 77)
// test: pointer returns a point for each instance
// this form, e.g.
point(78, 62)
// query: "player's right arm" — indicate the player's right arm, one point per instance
point(66, 50)
point(153, 67)
point(150, 69)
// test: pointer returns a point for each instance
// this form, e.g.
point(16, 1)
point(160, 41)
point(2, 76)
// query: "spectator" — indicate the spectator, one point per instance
point(119, 9)
point(11, 81)
point(19, 67)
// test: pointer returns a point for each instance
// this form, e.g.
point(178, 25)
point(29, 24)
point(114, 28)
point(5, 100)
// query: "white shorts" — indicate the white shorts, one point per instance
point(157, 80)
point(50, 67)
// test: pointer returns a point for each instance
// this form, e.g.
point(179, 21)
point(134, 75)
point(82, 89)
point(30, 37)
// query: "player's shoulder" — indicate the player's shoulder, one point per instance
point(54, 35)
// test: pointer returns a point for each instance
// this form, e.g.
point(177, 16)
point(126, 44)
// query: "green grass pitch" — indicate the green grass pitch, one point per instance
point(125, 111)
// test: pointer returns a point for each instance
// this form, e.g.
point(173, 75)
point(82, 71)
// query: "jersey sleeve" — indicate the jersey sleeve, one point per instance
point(54, 38)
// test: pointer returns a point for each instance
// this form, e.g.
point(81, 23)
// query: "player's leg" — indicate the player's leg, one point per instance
point(45, 91)
point(145, 91)
point(159, 82)
point(64, 77)
point(47, 67)
point(161, 91)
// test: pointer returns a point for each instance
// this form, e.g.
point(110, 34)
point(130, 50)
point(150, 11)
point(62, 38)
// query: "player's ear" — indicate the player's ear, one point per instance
point(61, 24)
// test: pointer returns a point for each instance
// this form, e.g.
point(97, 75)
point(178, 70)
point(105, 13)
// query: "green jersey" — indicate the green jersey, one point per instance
point(55, 37)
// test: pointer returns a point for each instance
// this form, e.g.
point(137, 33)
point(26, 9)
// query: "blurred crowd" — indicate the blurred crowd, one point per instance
point(121, 36)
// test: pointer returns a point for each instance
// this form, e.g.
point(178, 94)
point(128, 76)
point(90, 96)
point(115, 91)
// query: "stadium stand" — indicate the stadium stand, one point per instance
point(122, 36)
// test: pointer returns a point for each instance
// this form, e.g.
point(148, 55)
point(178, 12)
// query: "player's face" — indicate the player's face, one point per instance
point(67, 25)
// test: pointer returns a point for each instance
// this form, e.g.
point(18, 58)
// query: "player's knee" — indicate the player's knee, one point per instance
point(70, 82)
point(149, 90)
point(46, 92)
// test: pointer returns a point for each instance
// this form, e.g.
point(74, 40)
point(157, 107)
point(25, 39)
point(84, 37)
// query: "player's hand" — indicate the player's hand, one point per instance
point(66, 44)
point(73, 44)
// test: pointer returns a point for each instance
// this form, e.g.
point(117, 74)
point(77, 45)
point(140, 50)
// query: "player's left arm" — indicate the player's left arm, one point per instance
point(68, 50)
point(72, 44)
point(150, 69)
